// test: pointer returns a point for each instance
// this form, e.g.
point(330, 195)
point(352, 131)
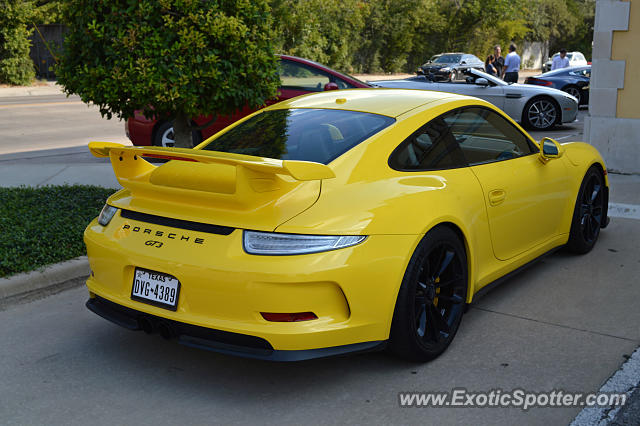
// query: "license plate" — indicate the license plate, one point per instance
point(155, 288)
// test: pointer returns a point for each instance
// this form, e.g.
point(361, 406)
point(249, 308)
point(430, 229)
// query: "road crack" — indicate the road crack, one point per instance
point(555, 324)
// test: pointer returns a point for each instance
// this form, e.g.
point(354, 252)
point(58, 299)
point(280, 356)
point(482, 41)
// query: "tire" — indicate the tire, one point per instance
point(575, 92)
point(163, 135)
point(541, 114)
point(432, 297)
point(589, 213)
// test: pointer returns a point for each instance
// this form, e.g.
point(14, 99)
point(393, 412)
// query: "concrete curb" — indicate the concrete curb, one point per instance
point(626, 380)
point(52, 276)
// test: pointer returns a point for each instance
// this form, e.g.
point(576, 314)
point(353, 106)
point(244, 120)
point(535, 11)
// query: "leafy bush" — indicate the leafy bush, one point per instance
point(170, 58)
point(41, 226)
point(16, 67)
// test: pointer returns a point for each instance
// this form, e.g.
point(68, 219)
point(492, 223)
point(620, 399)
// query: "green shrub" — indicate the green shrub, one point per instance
point(41, 226)
point(16, 67)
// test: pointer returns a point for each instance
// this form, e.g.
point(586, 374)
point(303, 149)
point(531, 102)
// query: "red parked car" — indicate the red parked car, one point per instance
point(298, 77)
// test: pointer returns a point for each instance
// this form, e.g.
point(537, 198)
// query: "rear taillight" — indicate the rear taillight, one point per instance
point(538, 81)
point(106, 214)
point(288, 317)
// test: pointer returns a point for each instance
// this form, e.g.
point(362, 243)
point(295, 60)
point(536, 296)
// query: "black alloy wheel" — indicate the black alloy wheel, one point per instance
point(432, 297)
point(589, 212)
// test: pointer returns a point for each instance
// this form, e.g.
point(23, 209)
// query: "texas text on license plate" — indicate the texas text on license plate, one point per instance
point(155, 288)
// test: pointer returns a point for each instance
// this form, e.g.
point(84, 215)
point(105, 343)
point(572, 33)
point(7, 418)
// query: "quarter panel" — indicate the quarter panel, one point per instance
point(367, 197)
point(493, 94)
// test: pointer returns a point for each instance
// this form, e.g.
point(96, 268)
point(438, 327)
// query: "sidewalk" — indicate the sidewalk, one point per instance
point(50, 88)
point(73, 166)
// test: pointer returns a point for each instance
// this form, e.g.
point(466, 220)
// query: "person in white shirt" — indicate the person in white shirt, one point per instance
point(511, 65)
point(560, 61)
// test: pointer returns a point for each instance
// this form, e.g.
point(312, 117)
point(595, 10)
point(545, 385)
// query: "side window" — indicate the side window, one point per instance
point(581, 73)
point(484, 136)
point(299, 77)
point(432, 147)
point(342, 84)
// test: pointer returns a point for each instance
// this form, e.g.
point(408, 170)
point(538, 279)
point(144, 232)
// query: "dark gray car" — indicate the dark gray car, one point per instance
point(450, 66)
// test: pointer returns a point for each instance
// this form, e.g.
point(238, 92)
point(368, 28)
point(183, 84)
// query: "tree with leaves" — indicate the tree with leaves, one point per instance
point(47, 12)
point(16, 66)
point(175, 59)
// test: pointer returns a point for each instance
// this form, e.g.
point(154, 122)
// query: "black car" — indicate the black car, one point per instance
point(449, 66)
point(573, 80)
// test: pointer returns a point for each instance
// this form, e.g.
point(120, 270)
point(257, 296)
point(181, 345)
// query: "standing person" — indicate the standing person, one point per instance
point(511, 65)
point(560, 61)
point(498, 62)
point(489, 66)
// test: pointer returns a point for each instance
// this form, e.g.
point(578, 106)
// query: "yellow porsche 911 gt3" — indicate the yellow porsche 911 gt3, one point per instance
point(336, 222)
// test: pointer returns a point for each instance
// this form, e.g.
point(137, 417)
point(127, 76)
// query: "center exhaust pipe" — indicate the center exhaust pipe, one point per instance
point(146, 325)
point(166, 330)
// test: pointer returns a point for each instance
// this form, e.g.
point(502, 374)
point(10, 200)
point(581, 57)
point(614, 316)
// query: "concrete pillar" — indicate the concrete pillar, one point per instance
point(613, 125)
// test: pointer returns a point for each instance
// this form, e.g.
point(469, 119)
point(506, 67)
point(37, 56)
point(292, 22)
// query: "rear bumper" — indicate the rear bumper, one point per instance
point(352, 291)
point(217, 340)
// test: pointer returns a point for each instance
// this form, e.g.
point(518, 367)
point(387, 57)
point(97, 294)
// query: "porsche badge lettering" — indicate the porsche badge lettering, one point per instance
point(162, 234)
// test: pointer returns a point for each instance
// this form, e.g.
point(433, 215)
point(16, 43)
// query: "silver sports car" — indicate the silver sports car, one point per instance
point(536, 107)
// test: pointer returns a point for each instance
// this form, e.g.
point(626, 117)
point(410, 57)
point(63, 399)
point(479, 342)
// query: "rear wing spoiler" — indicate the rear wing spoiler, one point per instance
point(298, 170)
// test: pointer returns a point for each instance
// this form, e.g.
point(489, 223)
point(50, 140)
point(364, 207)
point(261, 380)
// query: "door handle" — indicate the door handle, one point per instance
point(497, 196)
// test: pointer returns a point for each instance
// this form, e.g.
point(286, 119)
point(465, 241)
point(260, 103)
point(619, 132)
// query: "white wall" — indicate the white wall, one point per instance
point(534, 54)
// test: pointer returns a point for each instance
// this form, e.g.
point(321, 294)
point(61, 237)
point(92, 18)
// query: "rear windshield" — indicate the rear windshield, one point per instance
point(319, 135)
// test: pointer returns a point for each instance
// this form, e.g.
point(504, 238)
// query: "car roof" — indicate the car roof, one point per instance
point(389, 102)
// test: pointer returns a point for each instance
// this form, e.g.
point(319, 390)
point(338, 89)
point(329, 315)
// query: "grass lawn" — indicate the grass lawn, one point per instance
point(41, 226)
